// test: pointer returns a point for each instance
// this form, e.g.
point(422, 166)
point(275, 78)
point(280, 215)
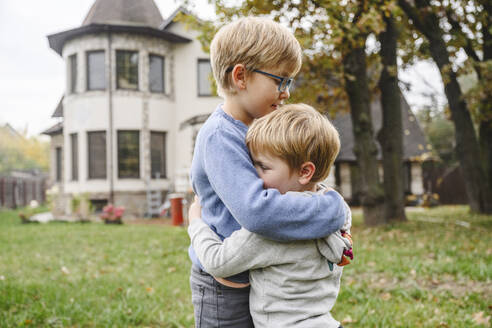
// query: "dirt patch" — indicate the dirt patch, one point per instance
point(442, 283)
point(158, 221)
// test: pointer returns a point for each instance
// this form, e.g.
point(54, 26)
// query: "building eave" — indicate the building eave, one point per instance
point(58, 40)
point(54, 130)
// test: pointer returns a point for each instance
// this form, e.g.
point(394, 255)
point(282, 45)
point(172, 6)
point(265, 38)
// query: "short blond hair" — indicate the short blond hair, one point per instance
point(296, 133)
point(257, 43)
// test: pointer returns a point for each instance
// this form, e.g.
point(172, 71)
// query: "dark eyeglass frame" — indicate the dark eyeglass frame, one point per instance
point(285, 82)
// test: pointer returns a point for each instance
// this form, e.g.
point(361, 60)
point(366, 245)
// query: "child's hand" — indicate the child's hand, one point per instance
point(195, 211)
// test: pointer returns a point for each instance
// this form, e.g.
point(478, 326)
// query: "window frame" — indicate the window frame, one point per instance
point(164, 155)
point(87, 70)
point(127, 51)
point(59, 164)
point(73, 61)
point(93, 176)
point(74, 141)
point(163, 58)
point(202, 60)
point(118, 157)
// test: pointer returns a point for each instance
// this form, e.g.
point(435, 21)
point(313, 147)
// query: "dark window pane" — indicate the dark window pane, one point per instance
point(73, 73)
point(158, 154)
point(204, 77)
point(58, 164)
point(127, 70)
point(156, 73)
point(128, 154)
point(75, 156)
point(96, 73)
point(97, 154)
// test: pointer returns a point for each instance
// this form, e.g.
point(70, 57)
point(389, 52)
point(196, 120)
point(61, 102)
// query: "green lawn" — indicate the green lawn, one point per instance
point(429, 272)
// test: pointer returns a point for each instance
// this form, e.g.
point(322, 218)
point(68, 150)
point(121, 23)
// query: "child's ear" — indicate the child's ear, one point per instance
point(306, 172)
point(239, 76)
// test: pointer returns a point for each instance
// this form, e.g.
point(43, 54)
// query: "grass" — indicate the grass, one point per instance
point(428, 272)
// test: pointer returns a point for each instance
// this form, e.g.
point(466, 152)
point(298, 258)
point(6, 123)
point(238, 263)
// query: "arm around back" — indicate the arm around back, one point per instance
point(266, 211)
point(239, 252)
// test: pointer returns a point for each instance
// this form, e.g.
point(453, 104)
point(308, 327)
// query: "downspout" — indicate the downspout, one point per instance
point(110, 105)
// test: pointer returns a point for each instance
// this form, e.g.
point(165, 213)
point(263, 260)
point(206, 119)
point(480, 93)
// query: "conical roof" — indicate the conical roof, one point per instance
point(124, 12)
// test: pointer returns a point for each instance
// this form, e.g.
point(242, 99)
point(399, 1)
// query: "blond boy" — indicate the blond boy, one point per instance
point(253, 61)
point(292, 284)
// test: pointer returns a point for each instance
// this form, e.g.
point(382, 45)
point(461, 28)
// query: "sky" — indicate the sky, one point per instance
point(32, 76)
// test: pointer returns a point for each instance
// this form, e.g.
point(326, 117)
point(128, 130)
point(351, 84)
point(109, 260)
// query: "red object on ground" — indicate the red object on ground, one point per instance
point(176, 209)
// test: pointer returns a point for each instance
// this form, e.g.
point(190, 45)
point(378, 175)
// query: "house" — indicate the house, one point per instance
point(416, 149)
point(137, 85)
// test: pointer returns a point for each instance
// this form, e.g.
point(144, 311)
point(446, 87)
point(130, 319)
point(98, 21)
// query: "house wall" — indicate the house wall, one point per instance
point(188, 102)
point(345, 187)
point(417, 183)
point(140, 110)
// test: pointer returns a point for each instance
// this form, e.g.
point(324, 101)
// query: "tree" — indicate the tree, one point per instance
point(450, 26)
point(21, 153)
point(335, 76)
point(391, 143)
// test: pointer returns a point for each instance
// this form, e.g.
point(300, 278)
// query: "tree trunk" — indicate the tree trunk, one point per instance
point(486, 108)
point(467, 145)
point(356, 86)
point(391, 135)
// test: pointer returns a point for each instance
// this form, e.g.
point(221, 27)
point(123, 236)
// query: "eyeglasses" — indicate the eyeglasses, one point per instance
point(285, 82)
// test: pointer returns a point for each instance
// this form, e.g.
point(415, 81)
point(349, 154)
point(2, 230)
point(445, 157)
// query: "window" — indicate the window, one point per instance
point(204, 77)
point(158, 155)
point(128, 154)
point(96, 141)
point(98, 205)
point(73, 73)
point(156, 73)
point(127, 70)
point(75, 156)
point(96, 72)
point(58, 159)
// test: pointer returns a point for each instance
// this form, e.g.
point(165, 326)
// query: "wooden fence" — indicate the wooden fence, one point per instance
point(20, 188)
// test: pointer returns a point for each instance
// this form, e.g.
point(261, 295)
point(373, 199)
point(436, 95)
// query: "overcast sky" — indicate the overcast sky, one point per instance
point(32, 76)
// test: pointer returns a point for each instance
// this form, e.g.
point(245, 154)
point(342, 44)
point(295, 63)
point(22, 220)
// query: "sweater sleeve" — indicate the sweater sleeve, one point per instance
point(281, 217)
point(241, 251)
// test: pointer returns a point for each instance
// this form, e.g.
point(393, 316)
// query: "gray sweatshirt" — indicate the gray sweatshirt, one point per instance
point(291, 283)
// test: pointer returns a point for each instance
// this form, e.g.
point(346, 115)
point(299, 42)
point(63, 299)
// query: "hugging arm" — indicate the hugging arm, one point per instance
point(241, 251)
point(266, 211)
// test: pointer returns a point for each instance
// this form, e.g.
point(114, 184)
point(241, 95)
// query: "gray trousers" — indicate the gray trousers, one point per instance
point(216, 305)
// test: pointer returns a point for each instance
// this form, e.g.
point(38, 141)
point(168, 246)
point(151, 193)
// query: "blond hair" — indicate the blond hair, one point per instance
point(257, 43)
point(296, 133)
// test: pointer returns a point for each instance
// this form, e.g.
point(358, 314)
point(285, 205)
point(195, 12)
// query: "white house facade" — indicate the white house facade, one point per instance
point(133, 81)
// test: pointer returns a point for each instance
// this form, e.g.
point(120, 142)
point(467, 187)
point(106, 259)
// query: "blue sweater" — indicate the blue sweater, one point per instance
point(231, 192)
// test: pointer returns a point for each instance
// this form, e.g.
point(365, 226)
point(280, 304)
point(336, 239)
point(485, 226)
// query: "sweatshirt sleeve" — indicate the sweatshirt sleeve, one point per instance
point(241, 251)
point(282, 217)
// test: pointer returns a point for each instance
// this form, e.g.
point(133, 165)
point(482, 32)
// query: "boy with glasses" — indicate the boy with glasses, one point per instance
point(253, 61)
point(293, 284)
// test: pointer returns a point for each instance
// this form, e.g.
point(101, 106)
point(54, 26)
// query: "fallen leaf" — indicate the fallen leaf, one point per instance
point(385, 296)
point(28, 322)
point(480, 319)
point(348, 319)
point(171, 269)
